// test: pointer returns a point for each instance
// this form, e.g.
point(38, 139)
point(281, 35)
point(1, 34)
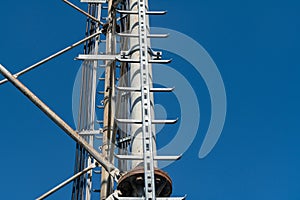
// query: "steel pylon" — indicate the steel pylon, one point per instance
point(117, 38)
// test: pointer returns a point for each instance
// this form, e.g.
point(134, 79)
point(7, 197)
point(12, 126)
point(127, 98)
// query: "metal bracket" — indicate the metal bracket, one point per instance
point(149, 36)
point(58, 187)
point(154, 121)
point(149, 61)
point(83, 12)
point(113, 171)
point(137, 157)
point(96, 57)
point(125, 139)
point(130, 12)
point(90, 132)
point(126, 54)
point(16, 75)
point(129, 89)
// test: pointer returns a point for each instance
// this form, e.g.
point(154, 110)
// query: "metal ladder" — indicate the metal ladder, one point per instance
point(146, 56)
point(145, 89)
point(82, 187)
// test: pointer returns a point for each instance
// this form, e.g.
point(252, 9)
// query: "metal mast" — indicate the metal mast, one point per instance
point(128, 126)
point(82, 187)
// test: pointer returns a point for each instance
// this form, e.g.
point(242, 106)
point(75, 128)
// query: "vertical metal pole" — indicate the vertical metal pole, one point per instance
point(92, 105)
point(143, 136)
point(82, 188)
point(135, 80)
point(136, 112)
point(58, 121)
point(122, 106)
point(109, 105)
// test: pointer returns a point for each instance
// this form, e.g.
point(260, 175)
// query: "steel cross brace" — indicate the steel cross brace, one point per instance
point(52, 56)
point(113, 171)
point(58, 187)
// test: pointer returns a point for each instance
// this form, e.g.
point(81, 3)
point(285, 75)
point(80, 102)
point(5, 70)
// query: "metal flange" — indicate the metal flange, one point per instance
point(132, 183)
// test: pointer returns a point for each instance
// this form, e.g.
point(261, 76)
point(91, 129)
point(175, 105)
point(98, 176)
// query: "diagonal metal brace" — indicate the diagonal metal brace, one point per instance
point(113, 171)
point(69, 180)
point(52, 56)
point(83, 12)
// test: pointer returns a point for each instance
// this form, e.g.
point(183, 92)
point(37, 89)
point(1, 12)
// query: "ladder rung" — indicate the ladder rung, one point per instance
point(95, 57)
point(160, 61)
point(101, 79)
point(135, 157)
point(130, 12)
point(158, 35)
point(128, 60)
point(130, 89)
point(129, 121)
point(156, 12)
point(167, 157)
point(164, 121)
point(162, 89)
point(100, 107)
point(154, 121)
point(89, 132)
point(100, 92)
point(149, 36)
point(138, 61)
point(99, 121)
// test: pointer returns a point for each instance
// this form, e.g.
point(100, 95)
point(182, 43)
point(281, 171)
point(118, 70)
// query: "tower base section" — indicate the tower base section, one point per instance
point(132, 184)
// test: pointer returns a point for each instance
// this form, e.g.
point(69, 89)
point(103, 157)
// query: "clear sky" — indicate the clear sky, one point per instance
point(255, 45)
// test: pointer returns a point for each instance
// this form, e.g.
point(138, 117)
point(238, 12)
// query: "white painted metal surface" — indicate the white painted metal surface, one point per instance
point(128, 115)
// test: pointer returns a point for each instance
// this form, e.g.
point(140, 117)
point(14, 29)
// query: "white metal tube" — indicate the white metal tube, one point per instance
point(51, 57)
point(135, 76)
point(82, 11)
point(61, 123)
point(109, 106)
point(58, 187)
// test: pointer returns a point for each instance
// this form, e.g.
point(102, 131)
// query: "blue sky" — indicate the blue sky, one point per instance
point(255, 45)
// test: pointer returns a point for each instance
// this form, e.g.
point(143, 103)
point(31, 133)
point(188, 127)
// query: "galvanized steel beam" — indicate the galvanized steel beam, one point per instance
point(61, 185)
point(113, 171)
point(52, 56)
